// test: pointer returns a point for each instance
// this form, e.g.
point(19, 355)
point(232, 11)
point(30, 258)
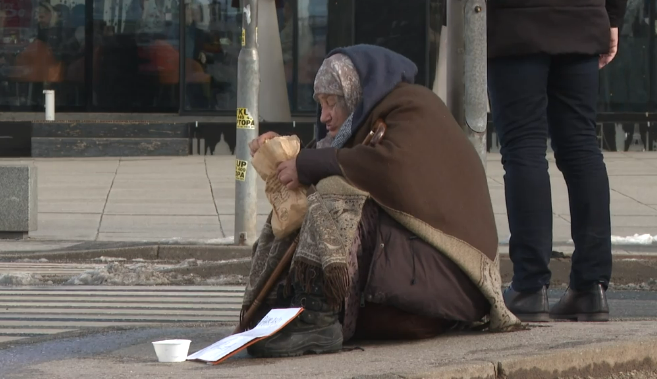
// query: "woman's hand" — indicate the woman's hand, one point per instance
point(287, 174)
point(256, 143)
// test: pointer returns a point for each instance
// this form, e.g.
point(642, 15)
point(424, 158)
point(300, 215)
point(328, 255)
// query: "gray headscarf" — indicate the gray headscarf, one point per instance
point(338, 76)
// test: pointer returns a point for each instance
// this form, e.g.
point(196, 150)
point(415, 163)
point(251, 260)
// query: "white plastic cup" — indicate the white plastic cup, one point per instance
point(169, 351)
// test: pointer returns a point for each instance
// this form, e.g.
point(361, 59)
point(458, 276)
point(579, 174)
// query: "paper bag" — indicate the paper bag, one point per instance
point(289, 207)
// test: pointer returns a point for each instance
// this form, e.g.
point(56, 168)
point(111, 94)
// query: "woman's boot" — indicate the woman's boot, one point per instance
point(316, 330)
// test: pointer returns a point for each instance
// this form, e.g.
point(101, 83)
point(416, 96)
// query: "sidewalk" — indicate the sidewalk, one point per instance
point(190, 199)
point(555, 350)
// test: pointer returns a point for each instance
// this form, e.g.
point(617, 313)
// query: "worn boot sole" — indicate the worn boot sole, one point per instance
point(310, 349)
point(583, 317)
point(533, 317)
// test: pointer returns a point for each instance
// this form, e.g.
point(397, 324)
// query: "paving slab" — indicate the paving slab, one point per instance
point(79, 206)
point(186, 207)
point(228, 223)
point(67, 226)
point(171, 187)
point(145, 227)
point(584, 349)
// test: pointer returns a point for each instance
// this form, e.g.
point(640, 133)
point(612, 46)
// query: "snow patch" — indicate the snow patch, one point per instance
point(635, 240)
point(109, 259)
point(115, 274)
point(22, 279)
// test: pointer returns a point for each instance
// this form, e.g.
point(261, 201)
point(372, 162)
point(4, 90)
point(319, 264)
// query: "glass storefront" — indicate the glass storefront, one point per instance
point(626, 83)
point(131, 56)
point(125, 55)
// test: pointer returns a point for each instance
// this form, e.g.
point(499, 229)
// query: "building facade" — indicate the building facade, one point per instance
point(172, 64)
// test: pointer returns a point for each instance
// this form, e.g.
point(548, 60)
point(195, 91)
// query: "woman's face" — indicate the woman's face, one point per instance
point(334, 112)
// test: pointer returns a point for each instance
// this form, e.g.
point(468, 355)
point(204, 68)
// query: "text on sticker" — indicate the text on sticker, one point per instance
point(240, 169)
point(244, 119)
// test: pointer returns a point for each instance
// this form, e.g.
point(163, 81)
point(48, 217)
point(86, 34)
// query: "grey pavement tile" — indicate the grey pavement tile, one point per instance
point(498, 199)
point(228, 191)
point(162, 226)
point(635, 221)
point(639, 188)
point(560, 228)
point(228, 224)
point(163, 236)
point(67, 226)
point(162, 194)
point(630, 167)
point(624, 231)
point(158, 207)
point(75, 179)
point(227, 206)
point(73, 193)
point(71, 206)
point(122, 183)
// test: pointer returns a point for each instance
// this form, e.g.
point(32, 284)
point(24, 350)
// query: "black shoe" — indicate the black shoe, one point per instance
point(528, 306)
point(585, 306)
point(316, 331)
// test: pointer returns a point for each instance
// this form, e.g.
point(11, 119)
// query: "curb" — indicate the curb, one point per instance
point(593, 361)
point(230, 259)
point(149, 252)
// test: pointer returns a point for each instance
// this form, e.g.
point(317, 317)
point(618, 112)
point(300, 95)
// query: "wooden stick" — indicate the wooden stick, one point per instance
point(273, 279)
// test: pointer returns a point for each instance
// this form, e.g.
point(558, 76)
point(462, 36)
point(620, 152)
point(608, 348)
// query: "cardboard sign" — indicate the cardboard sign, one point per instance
point(274, 321)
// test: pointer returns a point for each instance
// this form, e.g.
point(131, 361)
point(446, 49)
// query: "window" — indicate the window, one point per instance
point(400, 26)
point(625, 82)
point(212, 46)
point(311, 50)
point(135, 56)
point(41, 47)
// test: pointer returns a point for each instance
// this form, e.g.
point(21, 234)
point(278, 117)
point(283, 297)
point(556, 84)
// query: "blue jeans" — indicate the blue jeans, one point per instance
point(532, 98)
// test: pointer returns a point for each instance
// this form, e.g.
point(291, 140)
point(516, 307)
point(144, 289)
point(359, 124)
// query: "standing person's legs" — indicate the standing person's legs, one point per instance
point(573, 93)
point(518, 94)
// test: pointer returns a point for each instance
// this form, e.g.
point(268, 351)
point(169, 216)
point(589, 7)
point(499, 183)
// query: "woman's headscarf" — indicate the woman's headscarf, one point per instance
point(338, 76)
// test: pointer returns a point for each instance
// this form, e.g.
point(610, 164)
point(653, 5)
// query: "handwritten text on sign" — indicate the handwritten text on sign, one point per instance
point(244, 119)
point(240, 169)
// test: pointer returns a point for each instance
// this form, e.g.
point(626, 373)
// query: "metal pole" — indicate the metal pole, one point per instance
point(248, 88)
point(467, 96)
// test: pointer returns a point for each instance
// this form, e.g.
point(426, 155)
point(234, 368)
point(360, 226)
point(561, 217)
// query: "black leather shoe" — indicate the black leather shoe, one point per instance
point(585, 306)
point(528, 306)
point(317, 330)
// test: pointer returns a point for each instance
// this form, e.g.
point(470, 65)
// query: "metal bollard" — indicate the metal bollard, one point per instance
point(50, 104)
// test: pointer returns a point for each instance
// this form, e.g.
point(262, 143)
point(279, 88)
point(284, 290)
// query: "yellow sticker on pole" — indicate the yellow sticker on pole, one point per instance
point(240, 170)
point(243, 37)
point(244, 119)
point(256, 35)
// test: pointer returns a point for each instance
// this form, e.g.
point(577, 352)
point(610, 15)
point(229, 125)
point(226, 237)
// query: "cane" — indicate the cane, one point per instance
point(273, 279)
point(373, 138)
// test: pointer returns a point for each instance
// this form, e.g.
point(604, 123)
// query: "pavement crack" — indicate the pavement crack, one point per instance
point(631, 198)
point(102, 214)
point(214, 201)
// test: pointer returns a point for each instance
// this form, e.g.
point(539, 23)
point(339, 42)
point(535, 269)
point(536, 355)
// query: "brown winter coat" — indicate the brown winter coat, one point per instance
point(424, 167)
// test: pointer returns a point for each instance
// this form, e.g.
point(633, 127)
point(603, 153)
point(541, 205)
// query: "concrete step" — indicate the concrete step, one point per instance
point(109, 129)
point(108, 147)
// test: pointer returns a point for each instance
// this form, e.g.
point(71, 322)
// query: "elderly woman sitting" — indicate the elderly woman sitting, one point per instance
point(399, 240)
